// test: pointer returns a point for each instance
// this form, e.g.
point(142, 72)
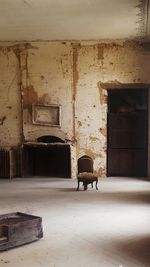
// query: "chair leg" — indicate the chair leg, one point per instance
point(85, 186)
point(78, 185)
point(96, 184)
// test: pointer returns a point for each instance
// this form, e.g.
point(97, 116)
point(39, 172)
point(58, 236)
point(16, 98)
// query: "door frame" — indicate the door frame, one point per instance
point(113, 86)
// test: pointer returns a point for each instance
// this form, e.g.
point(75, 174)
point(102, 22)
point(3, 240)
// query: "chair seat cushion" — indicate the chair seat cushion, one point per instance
point(87, 175)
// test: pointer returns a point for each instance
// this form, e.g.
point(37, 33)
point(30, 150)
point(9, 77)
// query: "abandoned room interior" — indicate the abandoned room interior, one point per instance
point(74, 82)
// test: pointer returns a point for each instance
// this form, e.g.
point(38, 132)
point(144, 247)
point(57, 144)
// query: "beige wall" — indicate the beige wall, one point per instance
point(71, 75)
point(10, 104)
point(49, 81)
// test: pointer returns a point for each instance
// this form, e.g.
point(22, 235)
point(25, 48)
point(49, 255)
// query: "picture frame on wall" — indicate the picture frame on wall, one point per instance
point(46, 115)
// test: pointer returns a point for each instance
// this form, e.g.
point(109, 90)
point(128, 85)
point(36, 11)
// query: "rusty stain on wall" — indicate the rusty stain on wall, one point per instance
point(2, 120)
point(102, 47)
point(100, 51)
point(115, 84)
point(102, 93)
point(90, 153)
point(30, 96)
point(101, 172)
point(16, 48)
point(75, 47)
point(79, 123)
point(44, 99)
point(7, 49)
point(131, 67)
point(62, 67)
point(93, 138)
point(103, 131)
point(10, 94)
point(134, 44)
point(23, 73)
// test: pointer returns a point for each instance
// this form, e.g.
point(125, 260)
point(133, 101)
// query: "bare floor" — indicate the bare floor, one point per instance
point(105, 228)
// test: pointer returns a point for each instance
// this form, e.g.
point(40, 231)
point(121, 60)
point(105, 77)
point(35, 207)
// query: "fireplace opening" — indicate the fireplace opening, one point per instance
point(49, 156)
point(50, 139)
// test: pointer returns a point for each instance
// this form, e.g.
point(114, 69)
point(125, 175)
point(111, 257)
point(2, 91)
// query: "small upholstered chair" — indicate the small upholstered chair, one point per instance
point(86, 175)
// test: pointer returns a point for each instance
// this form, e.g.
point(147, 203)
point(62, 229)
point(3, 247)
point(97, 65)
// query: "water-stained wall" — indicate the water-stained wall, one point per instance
point(49, 81)
point(10, 100)
point(73, 75)
point(99, 64)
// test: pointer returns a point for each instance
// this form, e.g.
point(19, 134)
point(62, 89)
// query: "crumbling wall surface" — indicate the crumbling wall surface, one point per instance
point(73, 75)
point(98, 64)
point(90, 108)
point(49, 81)
point(10, 107)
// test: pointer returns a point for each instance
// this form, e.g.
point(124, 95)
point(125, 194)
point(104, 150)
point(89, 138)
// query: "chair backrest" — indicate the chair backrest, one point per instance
point(85, 164)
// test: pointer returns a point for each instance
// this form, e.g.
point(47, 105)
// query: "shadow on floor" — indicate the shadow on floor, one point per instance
point(138, 249)
point(127, 197)
point(67, 190)
point(119, 197)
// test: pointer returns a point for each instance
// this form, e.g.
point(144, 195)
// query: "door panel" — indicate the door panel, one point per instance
point(127, 162)
point(127, 132)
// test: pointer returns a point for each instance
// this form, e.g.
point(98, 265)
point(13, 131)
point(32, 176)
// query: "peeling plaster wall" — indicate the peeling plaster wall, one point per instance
point(49, 81)
point(72, 75)
point(98, 64)
point(10, 107)
point(90, 112)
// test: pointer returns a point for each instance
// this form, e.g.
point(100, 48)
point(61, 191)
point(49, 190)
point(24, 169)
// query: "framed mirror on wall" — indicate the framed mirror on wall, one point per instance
point(46, 115)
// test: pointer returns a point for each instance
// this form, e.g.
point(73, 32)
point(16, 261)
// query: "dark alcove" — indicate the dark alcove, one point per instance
point(49, 156)
point(127, 132)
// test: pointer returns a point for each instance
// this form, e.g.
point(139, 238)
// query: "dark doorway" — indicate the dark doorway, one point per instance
point(46, 157)
point(127, 132)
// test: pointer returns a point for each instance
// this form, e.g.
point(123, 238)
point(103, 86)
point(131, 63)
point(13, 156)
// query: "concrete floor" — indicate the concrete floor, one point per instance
point(105, 228)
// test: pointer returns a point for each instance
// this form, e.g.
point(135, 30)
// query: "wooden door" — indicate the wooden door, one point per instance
point(127, 132)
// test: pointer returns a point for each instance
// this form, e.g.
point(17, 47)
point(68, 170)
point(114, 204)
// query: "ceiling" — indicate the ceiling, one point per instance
point(29, 20)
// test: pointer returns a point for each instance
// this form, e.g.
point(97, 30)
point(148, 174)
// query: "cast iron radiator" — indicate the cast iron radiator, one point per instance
point(7, 163)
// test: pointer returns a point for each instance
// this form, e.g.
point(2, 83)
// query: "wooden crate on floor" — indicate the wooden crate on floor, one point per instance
point(18, 228)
